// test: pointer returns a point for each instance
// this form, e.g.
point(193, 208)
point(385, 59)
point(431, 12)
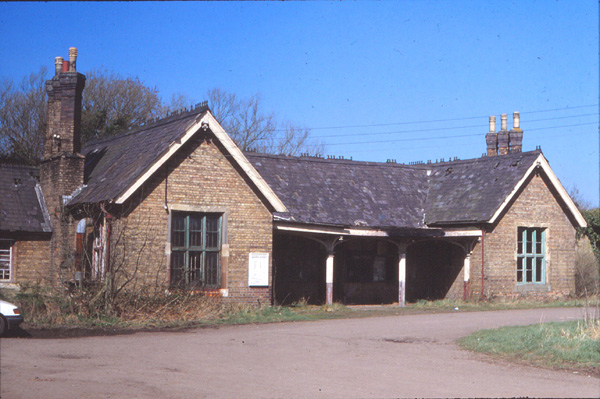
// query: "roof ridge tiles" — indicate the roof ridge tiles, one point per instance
point(412, 165)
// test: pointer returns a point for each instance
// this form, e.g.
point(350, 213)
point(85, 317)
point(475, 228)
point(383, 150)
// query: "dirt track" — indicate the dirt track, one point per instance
point(403, 356)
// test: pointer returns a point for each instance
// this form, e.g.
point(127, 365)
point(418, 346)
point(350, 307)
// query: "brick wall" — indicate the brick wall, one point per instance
point(31, 263)
point(59, 176)
point(535, 206)
point(198, 178)
point(61, 171)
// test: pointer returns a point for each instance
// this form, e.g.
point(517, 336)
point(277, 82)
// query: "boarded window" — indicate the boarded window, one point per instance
point(530, 255)
point(195, 250)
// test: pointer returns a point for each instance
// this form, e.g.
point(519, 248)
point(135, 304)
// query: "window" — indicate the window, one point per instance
point(5, 260)
point(530, 255)
point(195, 250)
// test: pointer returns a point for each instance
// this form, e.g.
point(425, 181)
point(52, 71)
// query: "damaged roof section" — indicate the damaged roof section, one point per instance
point(385, 195)
point(22, 205)
point(112, 165)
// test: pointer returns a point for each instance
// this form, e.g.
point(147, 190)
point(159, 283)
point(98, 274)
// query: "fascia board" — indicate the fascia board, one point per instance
point(229, 145)
point(243, 162)
point(173, 147)
point(543, 163)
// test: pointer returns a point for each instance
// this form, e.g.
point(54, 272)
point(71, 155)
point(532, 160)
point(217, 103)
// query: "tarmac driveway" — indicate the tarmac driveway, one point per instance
point(400, 356)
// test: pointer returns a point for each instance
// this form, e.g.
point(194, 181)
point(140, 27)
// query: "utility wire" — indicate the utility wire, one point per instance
point(438, 120)
point(446, 137)
point(482, 126)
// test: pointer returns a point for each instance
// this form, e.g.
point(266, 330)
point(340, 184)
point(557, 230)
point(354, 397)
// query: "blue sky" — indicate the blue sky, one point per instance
point(369, 78)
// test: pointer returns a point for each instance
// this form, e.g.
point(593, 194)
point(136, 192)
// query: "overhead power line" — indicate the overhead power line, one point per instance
point(439, 120)
point(482, 126)
point(448, 137)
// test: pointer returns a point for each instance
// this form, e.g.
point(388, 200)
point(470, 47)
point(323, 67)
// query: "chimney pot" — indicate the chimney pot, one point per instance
point(503, 122)
point(516, 134)
point(58, 62)
point(73, 59)
point(65, 66)
point(492, 124)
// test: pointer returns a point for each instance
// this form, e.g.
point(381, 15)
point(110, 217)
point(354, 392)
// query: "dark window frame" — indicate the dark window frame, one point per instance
point(196, 243)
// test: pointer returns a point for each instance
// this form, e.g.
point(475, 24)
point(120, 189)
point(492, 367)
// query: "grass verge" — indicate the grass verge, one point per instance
point(573, 345)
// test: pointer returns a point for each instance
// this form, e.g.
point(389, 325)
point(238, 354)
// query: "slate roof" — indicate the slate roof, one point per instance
point(343, 192)
point(114, 164)
point(321, 191)
point(350, 193)
point(472, 190)
point(21, 207)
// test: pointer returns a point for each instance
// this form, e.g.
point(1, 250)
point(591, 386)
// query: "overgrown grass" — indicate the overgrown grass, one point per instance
point(569, 345)
point(84, 308)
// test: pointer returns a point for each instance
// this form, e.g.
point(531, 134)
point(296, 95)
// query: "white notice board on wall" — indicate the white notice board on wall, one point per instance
point(258, 269)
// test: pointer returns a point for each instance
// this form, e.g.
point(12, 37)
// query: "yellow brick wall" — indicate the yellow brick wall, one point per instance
point(536, 206)
point(200, 177)
point(31, 262)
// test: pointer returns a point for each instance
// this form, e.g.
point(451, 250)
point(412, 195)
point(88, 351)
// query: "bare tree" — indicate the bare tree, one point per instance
point(581, 203)
point(23, 117)
point(112, 103)
point(254, 129)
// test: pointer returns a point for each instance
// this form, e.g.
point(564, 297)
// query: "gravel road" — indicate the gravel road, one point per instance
point(379, 357)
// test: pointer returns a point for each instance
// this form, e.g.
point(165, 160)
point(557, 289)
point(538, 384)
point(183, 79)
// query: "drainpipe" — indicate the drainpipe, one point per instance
point(482, 262)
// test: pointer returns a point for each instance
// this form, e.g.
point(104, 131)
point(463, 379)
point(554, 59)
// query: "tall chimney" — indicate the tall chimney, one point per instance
point(61, 170)
point(64, 90)
point(503, 136)
point(491, 138)
point(515, 136)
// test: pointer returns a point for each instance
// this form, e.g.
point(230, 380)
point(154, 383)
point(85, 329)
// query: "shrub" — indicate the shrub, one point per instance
point(587, 276)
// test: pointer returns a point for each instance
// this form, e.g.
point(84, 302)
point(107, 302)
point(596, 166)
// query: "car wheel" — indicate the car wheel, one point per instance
point(3, 325)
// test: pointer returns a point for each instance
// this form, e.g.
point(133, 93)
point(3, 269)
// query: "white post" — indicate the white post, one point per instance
point(329, 278)
point(467, 276)
point(402, 279)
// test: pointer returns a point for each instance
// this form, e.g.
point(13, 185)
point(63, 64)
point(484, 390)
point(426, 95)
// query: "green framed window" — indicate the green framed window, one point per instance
point(196, 250)
point(531, 247)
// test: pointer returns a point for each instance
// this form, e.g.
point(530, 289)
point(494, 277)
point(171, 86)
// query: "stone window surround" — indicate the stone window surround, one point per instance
point(525, 286)
point(224, 211)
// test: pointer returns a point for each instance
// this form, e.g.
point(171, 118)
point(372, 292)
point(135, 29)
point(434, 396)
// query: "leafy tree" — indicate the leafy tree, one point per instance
point(112, 103)
point(592, 231)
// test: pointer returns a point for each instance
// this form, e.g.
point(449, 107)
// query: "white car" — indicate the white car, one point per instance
point(10, 317)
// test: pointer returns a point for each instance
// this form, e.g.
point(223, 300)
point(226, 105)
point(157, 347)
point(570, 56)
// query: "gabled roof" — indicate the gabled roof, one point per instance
point(22, 205)
point(344, 192)
point(349, 193)
point(472, 190)
point(114, 164)
point(116, 167)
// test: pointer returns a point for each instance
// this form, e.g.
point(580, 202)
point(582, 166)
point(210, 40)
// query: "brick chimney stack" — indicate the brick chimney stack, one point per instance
point(491, 138)
point(61, 170)
point(515, 135)
point(63, 131)
point(503, 136)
